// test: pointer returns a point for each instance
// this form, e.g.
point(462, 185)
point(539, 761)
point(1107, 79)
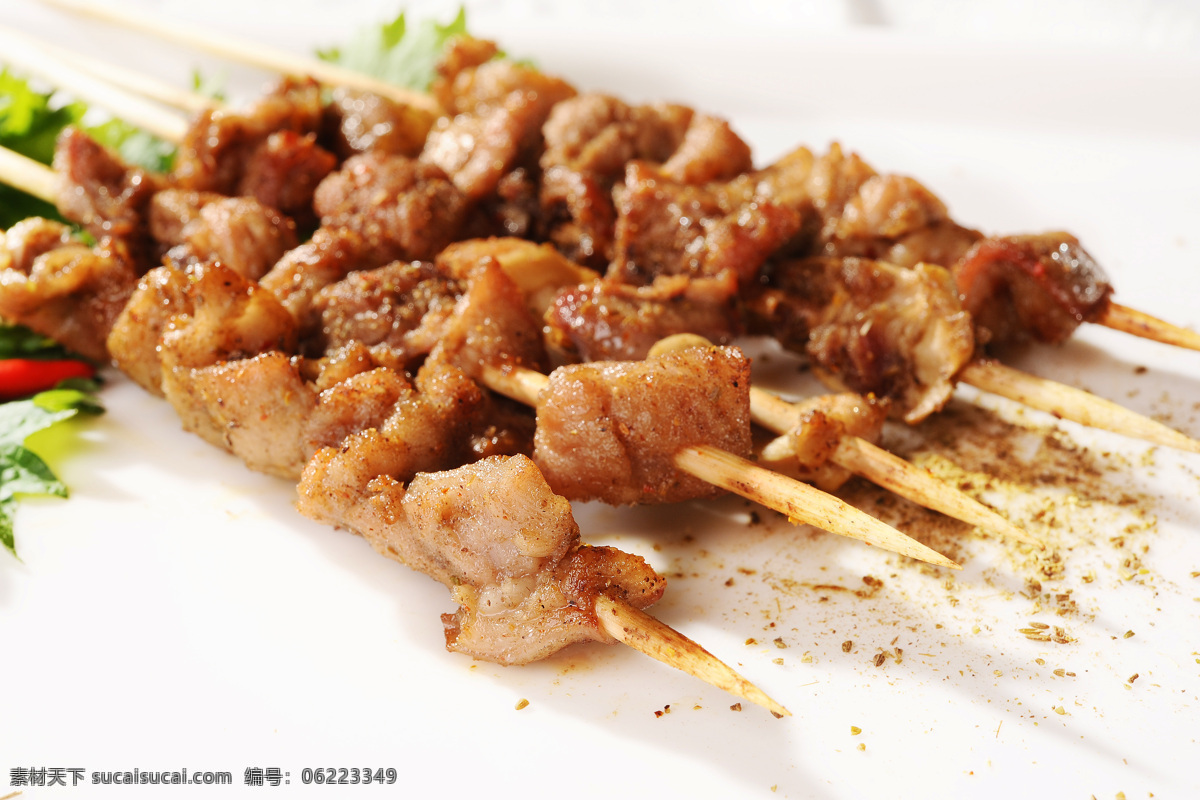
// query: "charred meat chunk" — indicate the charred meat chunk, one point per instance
point(669, 228)
point(403, 306)
point(404, 209)
point(268, 151)
point(240, 232)
point(612, 321)
point(870, 327)
point(284, 173)
point(610, 430)
point(591, 139)
point(330, 255)
point(62, 288)
point(505, 544)
point(100, 192)
point(1022, 288)
point(476, 317)
point(500, 108)
point(357, 121)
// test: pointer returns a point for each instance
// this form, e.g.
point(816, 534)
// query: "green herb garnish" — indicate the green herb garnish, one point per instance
point(23, 472)
point(394, 53)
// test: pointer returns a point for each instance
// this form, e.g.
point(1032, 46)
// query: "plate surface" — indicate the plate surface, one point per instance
point(177, 613)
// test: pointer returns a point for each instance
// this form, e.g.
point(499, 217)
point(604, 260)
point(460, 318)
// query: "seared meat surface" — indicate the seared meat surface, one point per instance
point(870, 327)
point(538, 270)
point(610, 430)
point(477, 316)
point(268, 151)
point(103, 194)
point(592, 138)
point(668, 228)
point(1039, 287)
point(195, 318)
point(358, 121)
point(821, 424)
point(403, 305)
point(240, 232)
point(500, 107)
point(61, 288)
point(611, 321)
point(491, 325)
point(403, 209)
point(328, 257)
point(496, 534)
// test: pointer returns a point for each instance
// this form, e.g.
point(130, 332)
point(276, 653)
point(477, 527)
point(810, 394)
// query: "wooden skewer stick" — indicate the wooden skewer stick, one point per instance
point(133, 81)
point(1070, 403)
point(1130, 320)
point(21, 51)
point(798, 501)
point(248, 53)
point(660, 641)
point(913, 483)
point(866, 460)
point(31, 177)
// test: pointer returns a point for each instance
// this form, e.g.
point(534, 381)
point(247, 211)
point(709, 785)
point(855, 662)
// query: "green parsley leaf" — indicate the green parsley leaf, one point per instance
point(17, 341)
point(134, 146)
point(29, 121)
point(394, 53)
point(23, 472)
point(212, 85)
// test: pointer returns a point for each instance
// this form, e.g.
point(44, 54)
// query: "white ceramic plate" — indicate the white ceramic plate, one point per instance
point(177, 613)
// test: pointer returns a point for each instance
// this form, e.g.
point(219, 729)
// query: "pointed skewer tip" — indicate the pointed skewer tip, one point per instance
point(1067, 402)
point(660, 641)
point(1139, 323)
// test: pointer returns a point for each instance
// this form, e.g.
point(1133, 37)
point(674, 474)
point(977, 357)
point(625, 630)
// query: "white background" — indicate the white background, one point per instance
point(176, 612)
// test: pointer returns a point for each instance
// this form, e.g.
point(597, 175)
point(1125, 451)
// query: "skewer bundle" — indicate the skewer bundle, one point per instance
point(244, 348)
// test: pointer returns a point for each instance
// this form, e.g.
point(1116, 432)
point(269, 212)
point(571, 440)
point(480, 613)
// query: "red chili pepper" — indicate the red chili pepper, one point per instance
point(21, 377)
